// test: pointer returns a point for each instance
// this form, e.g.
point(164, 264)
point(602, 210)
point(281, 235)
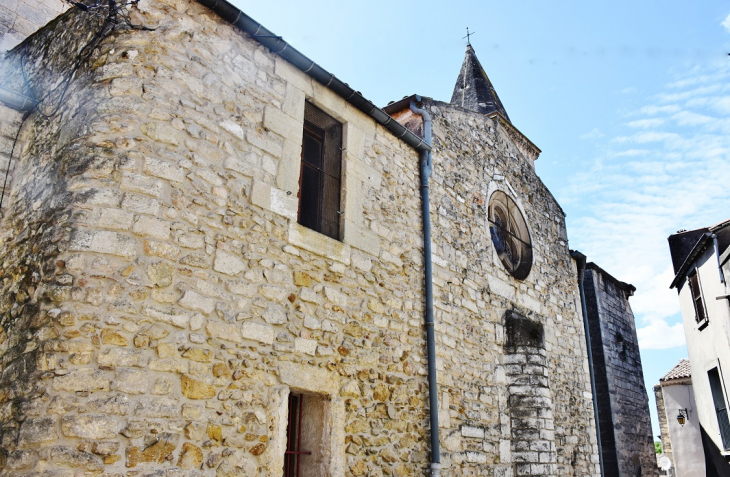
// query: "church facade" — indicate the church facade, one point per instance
point(213, 264)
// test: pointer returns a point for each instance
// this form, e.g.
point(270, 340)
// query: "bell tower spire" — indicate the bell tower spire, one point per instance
point(473, 90)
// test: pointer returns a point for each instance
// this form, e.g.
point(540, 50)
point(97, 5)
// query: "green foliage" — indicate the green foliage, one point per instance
point(657, 447)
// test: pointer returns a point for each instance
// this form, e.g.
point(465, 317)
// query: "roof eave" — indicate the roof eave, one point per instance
point(696, 250)
point(626, 287)
point(506, 123)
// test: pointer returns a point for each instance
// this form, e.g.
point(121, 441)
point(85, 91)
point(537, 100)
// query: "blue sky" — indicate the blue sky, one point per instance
point(629, 102)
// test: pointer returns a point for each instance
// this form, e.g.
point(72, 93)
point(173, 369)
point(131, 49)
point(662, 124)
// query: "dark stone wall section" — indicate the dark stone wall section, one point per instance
point(623, 403)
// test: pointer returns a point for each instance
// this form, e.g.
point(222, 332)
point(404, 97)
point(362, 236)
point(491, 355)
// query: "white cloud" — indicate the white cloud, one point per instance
point(699, 91)
point(726, 23)
point(632, 153)
point(660, 335)
point(646, 123)
point(656, 109)
point(670, 174)
point(688, 118)
point(595, 133)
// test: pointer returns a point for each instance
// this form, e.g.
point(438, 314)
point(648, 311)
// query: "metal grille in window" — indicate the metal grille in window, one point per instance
point(510, 236)
point(319, 179)
point(294, 453)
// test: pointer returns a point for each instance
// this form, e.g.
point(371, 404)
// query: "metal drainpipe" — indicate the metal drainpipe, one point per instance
point(580, 261)
point(426, 167)
point(717, 252)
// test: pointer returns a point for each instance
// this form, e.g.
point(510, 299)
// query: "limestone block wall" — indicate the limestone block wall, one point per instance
point(20, 18)
point(160, 303)
point(9, 124)
point(663, 423)
point(623, 401)
point(475, 156)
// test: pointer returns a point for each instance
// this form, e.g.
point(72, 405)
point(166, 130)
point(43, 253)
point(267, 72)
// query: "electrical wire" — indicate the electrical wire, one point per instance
point(10, 159)
point(110, 21)
point(114, 12)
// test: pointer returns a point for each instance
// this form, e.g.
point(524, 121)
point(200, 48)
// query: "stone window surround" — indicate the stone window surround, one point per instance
point(357, 177)
point(500, 183)
point(301, 378)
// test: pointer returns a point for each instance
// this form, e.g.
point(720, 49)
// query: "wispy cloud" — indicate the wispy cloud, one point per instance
point(667, 169)
point(688, 118)
point(726, 23)
point(595, 133)
point(646, 123)
point(655, 109)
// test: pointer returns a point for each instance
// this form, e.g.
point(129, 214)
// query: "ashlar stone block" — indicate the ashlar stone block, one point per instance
point(103, 241)
point(257, 332)
point(274, 200)
point(228, 263)
point(91, 426)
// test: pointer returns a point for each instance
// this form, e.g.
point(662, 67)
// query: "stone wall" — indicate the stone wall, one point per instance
point(663, 425)
point(475, 156)
point(21, 18)
point(160, 302)
point(623, 403)
point(9, 124)
point(155, 316)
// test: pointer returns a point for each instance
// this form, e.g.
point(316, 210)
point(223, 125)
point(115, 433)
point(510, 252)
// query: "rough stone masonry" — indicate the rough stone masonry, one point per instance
point(622, 402)
point(160, 302)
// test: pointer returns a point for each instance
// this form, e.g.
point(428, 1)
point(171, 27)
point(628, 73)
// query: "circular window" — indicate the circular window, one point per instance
point(510, 235)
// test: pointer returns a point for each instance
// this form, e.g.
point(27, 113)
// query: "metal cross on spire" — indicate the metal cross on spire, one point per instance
point(467, 36)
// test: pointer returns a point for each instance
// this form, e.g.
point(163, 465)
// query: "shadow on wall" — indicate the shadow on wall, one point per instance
point(716, 464)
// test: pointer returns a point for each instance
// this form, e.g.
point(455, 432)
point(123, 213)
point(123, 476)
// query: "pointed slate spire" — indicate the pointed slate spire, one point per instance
point(473, 90)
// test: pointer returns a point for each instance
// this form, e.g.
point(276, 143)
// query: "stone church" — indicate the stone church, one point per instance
point(220, 259)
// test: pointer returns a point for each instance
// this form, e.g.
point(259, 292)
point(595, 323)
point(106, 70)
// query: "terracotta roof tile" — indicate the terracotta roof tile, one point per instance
point(681, 370)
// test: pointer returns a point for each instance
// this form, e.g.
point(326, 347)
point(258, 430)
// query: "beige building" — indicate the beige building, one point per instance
point(214, 264)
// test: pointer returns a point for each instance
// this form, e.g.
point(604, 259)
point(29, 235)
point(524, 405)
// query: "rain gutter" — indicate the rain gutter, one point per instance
point(426, 168)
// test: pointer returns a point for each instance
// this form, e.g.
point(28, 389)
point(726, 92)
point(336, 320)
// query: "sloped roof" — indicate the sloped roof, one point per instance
point(680, 371)
point(686, 246)
point(473, 90)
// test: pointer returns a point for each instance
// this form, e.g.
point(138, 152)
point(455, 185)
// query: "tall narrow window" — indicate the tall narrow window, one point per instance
point(699, 302)
point(718, 398)
point(319, 179)
point(306, 436)
point(294, 452)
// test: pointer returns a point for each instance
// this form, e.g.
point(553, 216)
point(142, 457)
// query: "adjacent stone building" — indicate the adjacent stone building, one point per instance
point(627, 446)
point(213, 264)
